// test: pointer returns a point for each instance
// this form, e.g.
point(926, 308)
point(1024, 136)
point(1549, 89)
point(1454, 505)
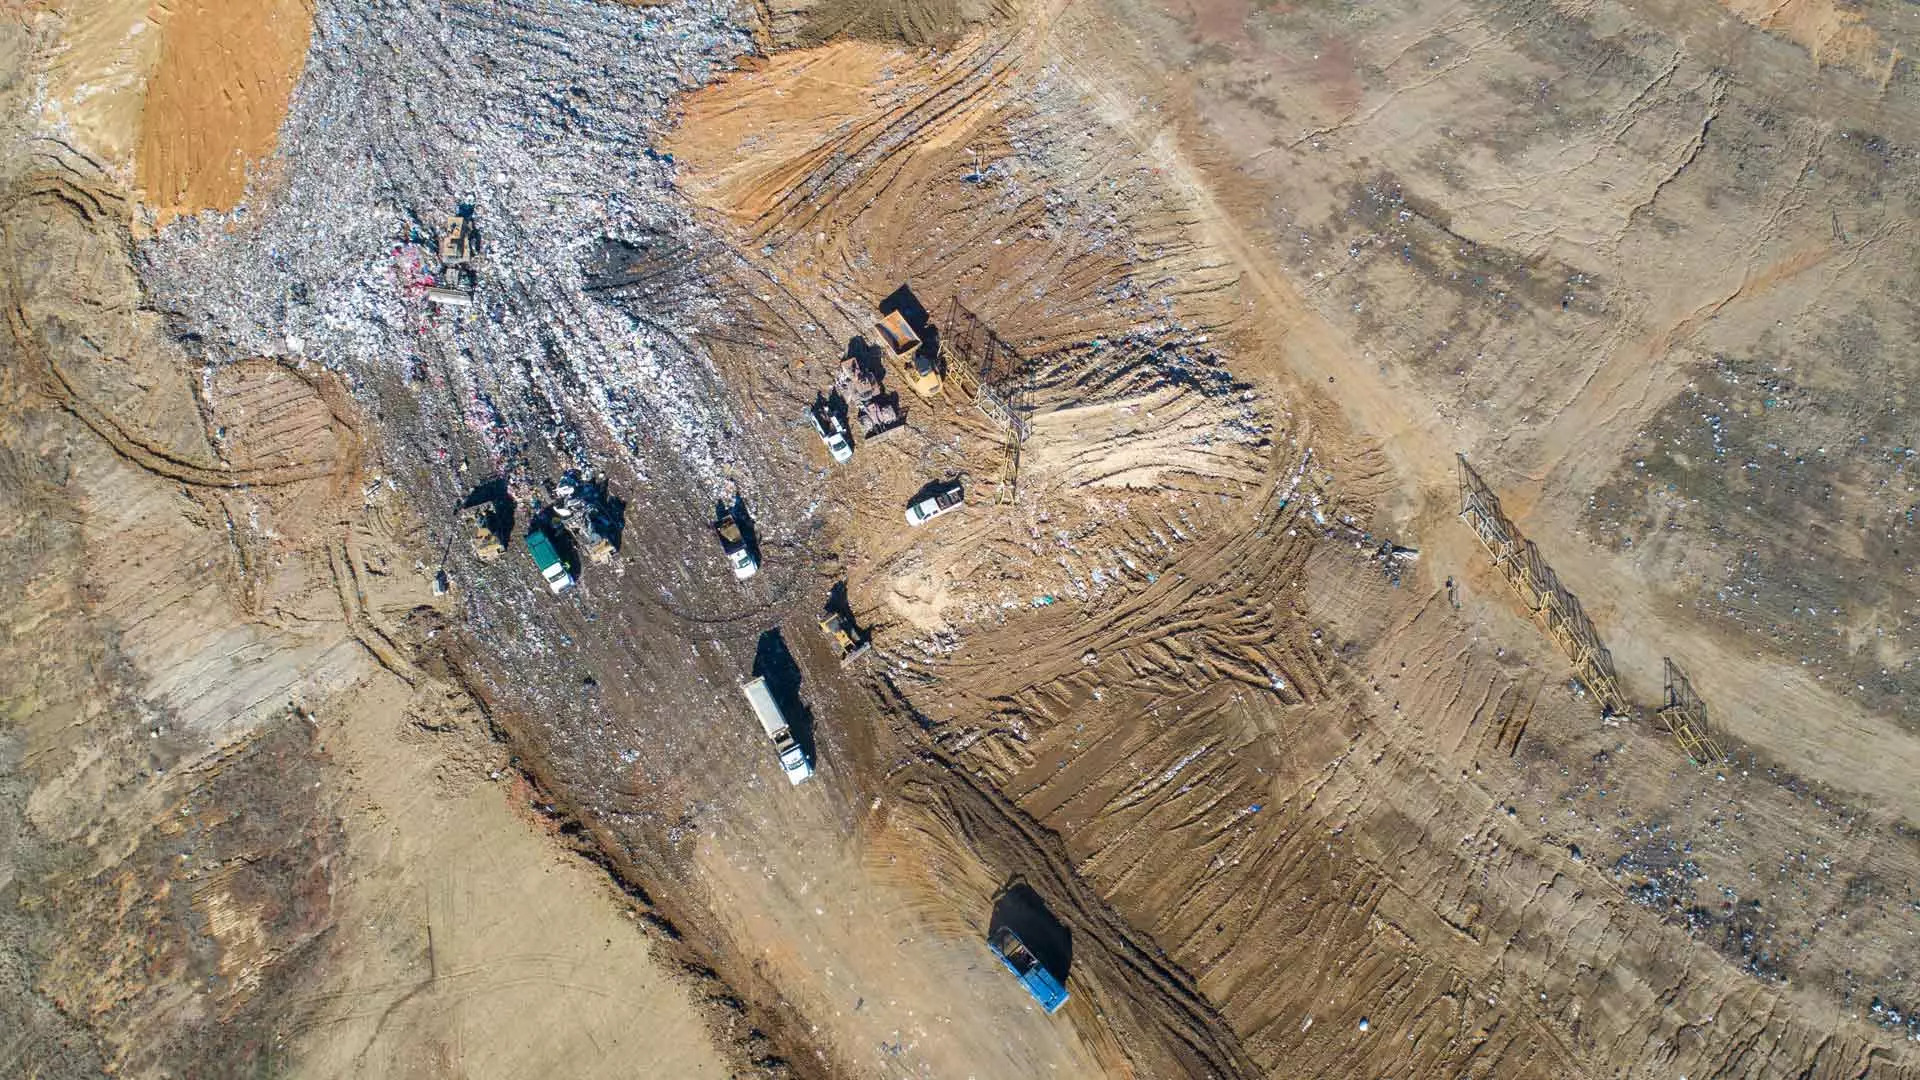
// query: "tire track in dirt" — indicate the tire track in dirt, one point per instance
point(1419, 955)
point(1342, 829)
point(1537, 909)
point(1170, 1024)
point(285, 474)
point(1212, 616)
point(99, 208)
point(1313, 351)
point(1130, 975)
point(955, 94)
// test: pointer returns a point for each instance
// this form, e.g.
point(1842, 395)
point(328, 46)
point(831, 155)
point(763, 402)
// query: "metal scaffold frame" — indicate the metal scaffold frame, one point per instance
point(990, 374)
point(1557, 610)
point(1684, 716)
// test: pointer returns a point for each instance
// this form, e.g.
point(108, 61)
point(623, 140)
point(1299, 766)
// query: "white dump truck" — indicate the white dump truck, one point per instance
point(734, 543)
point(792, 758)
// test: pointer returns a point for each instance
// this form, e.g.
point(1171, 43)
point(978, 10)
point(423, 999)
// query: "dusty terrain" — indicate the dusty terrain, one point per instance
point(215, 100)
point(1249, 742)
point(250, 823)
point(1304, 808)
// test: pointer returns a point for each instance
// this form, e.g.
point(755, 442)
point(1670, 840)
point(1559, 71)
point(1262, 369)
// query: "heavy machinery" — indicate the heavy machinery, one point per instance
point(878, 417)
point(580, 504)
point(793, 759)
point(485, 537)
point(1046, 989)
point(592, 539)
point(878, 412)
point(854, 381)
point(733, 541)
point(901, 344)
point(459, 243)
point(547, 557)
point(459, 247)
point(847, 640)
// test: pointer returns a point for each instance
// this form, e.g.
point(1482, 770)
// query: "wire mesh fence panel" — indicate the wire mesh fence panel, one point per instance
point(1540, 590)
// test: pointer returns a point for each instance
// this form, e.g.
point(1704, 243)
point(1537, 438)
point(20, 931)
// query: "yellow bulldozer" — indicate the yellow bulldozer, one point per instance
point(846, 640)
point(481, 525)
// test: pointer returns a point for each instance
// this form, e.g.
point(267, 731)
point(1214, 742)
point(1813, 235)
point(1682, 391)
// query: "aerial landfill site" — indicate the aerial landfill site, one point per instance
point(960, 538)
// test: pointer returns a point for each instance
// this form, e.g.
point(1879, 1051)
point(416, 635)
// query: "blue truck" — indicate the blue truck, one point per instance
point(1041, 983)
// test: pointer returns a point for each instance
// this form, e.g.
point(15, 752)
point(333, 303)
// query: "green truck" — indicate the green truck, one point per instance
point(547, 558)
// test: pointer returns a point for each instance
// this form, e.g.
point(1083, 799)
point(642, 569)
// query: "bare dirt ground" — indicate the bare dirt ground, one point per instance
point(1303, 811)
point(215, 100)
point(250, 824)
point(277, 809)
point(469, 943)
point(1251, 745)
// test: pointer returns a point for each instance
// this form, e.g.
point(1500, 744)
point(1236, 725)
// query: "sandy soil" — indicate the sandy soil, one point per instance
point(774, 885)
point(1250, 744)
point(391, 799)
point(95, 59)
point(469, 943)
point(1645, 346)
point(215, 100)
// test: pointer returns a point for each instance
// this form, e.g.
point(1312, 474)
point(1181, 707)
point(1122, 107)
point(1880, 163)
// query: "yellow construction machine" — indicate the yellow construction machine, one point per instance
point(903, 346)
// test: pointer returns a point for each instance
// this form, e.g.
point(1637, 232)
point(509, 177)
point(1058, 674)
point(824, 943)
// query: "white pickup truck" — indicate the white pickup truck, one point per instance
point(942, 499)
point(792, 759)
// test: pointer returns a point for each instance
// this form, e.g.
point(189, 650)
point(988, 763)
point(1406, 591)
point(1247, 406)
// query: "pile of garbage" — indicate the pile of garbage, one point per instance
point(531, 121)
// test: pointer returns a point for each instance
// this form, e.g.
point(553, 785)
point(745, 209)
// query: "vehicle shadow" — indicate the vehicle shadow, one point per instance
point(608, 511)
point(934, 487)
point(838, 602)
point(773, 662)
point(1019, 908)
point(832, 404)
point(475, 238)
point(866, 357)
point(498, 516)
point(615, 520)
point(869, 367)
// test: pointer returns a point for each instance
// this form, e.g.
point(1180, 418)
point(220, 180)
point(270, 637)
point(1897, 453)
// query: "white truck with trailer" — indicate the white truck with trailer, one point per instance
point(792, 759)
